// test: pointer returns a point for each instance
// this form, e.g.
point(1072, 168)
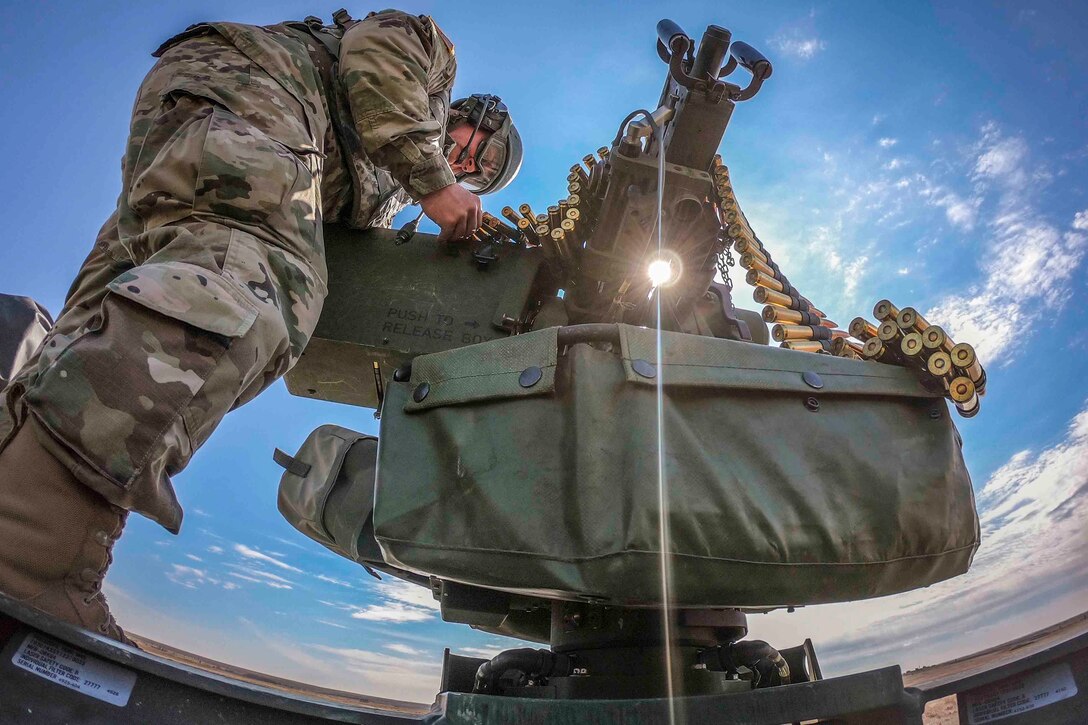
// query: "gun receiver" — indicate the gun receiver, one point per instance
point(586, 260)
point(610, 283)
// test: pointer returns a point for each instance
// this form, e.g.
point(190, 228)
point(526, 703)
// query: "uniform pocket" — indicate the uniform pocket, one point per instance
point(115, 392)
point(258, 184)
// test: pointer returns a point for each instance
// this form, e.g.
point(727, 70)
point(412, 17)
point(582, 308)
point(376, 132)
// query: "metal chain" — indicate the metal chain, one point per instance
point(725, 261)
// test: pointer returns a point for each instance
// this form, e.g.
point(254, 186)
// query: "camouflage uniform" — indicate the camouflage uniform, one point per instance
point(204, 286)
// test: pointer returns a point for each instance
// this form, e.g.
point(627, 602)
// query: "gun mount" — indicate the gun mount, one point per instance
point(520, 470)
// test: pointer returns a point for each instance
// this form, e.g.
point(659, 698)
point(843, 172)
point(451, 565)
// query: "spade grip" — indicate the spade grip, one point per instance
point(751, 59)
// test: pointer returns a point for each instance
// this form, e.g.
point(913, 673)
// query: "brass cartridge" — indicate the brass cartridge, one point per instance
point(511, 215)
point(964, 395)
point(574, 187)
point(804, 345)
point(781, 333)
point(965, 358)
point(560, 238)
point(774, 313)
point(573, 178)
point(574, 215)
point(563, 206)
point(574, 201)
point(969, 409)
point(908, 320)
point(748, 246)
point(885, 310)
point(553, 216)
point(889, 332)
point(844, 348)
point(739, 231)
point(541, 219)
point(489, 224)
point(939, 364)
point(911, 345)
point(862, 329)
point(873, 349)
point(749, 261)
point(567, 225)
point(935, 338)
point(602, 152)
point(528, 230)
point(764, 296)
point(527, 212)
point(758, 279)
point(580, 172)
point(961, 389)
point(543, 231)
point(590, 161)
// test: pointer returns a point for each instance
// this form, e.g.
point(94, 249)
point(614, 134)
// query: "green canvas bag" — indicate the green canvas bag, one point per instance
point(529, 465)
point(327, 491)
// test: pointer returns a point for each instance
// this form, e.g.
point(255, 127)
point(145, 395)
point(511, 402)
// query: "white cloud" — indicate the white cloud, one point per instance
point(1029, 572)
point(1027, 274)
point(392, 612)
point(1002, 159)
point(194, 557)
point(482, 652)
point(257, 555)
point(852, 275)
point(330, 624)
point(259, 576)
point(215, 549)
point(903, 271)
point(187, 576)
point(1080, 221)
point(414, 678)
point(887, 143)
point(404, 649)
point(333, 580)
point(401, 601)
point(797, 45)
point(893, 164)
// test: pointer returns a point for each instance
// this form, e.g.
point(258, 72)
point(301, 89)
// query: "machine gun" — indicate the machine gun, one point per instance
point(587, 261)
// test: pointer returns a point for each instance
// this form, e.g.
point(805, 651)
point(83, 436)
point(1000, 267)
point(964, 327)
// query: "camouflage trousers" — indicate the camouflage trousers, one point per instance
point(201, 290)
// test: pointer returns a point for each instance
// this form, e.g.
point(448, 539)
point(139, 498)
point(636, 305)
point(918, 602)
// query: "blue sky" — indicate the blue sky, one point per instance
point(936, 155)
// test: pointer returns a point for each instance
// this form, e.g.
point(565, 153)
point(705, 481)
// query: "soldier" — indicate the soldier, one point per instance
point(204, 286)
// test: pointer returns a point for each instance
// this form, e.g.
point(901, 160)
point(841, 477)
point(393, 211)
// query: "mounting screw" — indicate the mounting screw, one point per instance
point(402, 374)
point(935, 413)
point(812, 379)
point(421, 392)
point(812, 404)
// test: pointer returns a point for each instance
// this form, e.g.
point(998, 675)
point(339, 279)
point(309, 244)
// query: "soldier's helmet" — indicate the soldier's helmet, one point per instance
point(498, 159)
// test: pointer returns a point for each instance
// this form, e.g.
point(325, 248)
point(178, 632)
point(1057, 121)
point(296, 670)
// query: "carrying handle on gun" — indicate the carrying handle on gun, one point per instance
point(755, 63)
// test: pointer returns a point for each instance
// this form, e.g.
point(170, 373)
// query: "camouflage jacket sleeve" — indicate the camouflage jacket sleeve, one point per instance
point(397, 71)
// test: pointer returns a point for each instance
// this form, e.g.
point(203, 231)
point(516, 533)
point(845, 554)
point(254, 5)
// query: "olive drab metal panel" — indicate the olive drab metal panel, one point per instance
point(530, 465)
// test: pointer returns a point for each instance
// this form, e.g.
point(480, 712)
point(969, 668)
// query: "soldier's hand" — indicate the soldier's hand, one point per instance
point(454, 209)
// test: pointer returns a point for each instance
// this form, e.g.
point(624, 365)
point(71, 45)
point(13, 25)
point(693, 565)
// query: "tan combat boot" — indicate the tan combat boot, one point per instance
point(56, 536)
